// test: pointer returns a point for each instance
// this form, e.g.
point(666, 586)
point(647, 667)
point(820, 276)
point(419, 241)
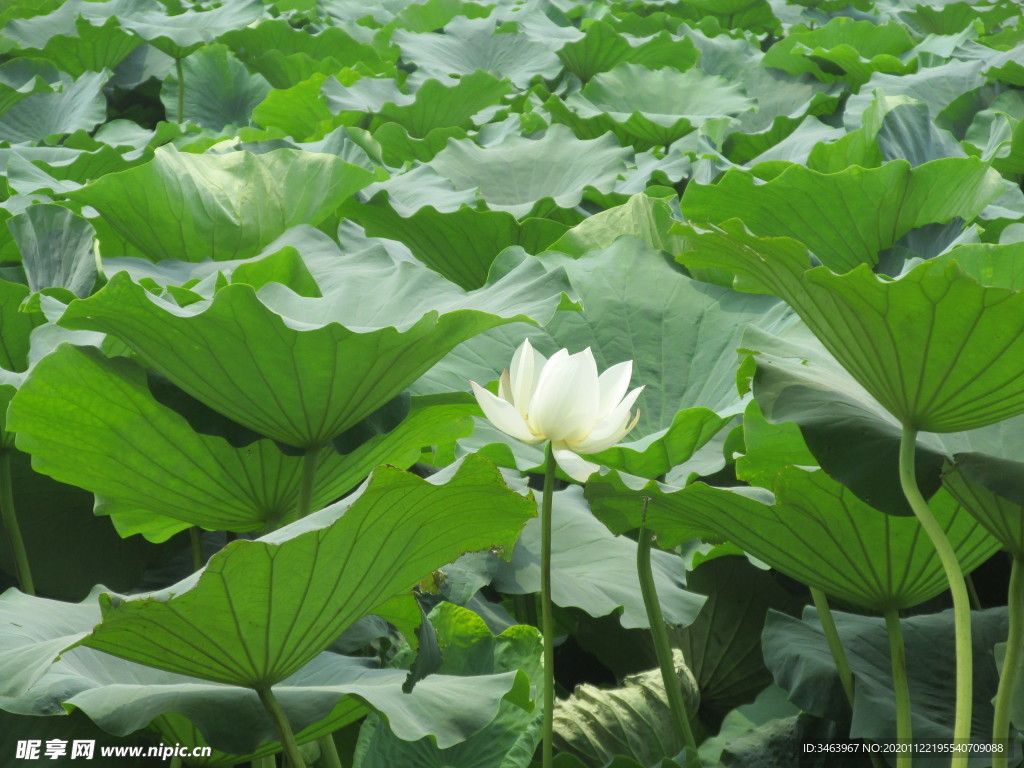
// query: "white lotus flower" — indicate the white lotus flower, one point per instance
point(562, 400)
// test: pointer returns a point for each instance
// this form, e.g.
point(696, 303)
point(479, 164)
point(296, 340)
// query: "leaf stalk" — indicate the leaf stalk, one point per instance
point(1012, 668)
point(662, 647)
point(284, 729)
point(901, 685)
point(958, 588)
point(11, 527)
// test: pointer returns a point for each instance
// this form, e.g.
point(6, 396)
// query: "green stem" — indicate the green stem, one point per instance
point(329, 752)
point(958, 588)
point(662, 647)
point(973, 592)
point(1011, 664)
point(835, 646)
point(547, 619)
point(304, 505)
point(195, 537)
point(175, 762)
point(181, 90)
point(11, 527)
point(284, 730)
point(267, 761)
point(898, 659)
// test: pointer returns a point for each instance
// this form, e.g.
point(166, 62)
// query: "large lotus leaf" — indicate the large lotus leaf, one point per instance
point(196, 207)
point(518, 173)
point(219, 90)
point(857, 442)
point(108, 434)
point(437, 105)
point(73, 43)
point(286, 55)
point(723, 645)
point(41, 678)
point(998, 265)
point(462, 244)
point(15, 329)
point(817, 531)
point(261, 610)
point(314, 367)
point(644, 217)
point(602, 48)
point(300, 111)
point(69, 549)
point(633, 720)
point(79, 105)
point(180, 34)
point(56, 248)
point(468, 45)
point(593, 569)
point(632, 319)
point(797, 653)
point(846, 218)
point(843, 48)
point(851, 437)
point(650, 107)
point(470, 649)
point(18, 82)
point(938, 350)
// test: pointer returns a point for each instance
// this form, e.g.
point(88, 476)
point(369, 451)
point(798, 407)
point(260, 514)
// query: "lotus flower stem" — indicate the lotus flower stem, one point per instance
point(898, 659)
point(835, 645)
point(547, 619)
point(11, 527)
point(958, 588)
point(181, 90)
point(195, 537)
point(329, 752)
point(1012, 668)
point(304, 505)
point(662, 647)
point(284, 730)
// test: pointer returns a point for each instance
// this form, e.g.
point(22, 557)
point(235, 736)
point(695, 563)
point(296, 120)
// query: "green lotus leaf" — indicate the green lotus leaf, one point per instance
point(462, 244)
point(180, 34)
point(797, 653)
point(938, 350)
point(722, 646)
point(286, 55)
point(843, 48)
point(41, 678)
point(196, 207)
point(470, 649)
point(518, 174)
point(74, 106)
point(75, 43)
point(817, 531)
point(56, 248)
point(439, 105)
point(15, 329)
point(468, 45)
point(146, 464)
point(312, 368)
point(649, 107)
point(846, 218)
point(219, 90)
point(992, 490)
point(644, 217)
point(602, 48)
point(594, 570)
point(260, 611)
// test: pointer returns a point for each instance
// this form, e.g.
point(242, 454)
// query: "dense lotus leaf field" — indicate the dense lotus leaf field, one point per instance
point(491, 384)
